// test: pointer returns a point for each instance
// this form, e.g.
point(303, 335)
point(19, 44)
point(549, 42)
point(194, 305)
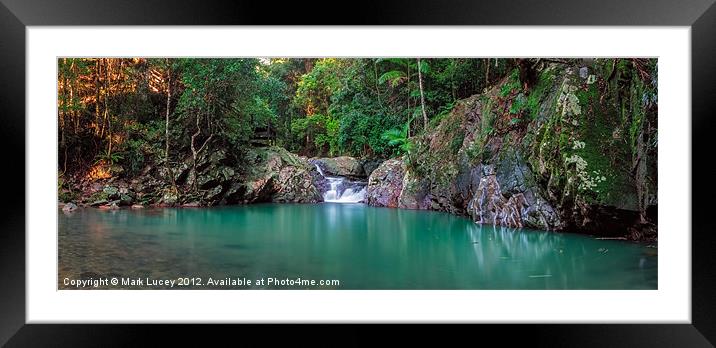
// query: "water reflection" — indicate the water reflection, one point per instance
point(364, 247)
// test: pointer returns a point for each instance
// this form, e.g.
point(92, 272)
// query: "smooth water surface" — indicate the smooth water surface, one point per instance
point(363, 247)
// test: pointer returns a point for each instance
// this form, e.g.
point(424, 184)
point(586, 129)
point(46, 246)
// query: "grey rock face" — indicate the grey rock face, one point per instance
point(583, 72)
point(342, 166)
point(385, 184)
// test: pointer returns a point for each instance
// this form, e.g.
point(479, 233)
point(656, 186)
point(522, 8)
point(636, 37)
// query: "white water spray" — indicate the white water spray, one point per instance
point(334, 195)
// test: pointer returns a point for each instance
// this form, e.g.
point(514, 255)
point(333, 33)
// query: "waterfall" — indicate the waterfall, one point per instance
point(320, 171)
point(342, 190)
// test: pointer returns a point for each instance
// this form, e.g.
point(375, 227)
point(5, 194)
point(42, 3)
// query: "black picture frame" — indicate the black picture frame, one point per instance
point(16, 15)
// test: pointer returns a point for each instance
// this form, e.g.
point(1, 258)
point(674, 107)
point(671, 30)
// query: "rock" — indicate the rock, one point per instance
point(370, 165)
point(490, 206)
point(69, 207)
point(170, 197)
point(274, 175)
point(111, 192)
point(181, 172)
point(98, 203)
point(125, 199)
point(415, 193)
point(213, 195)
point(295, 185)
point(214, 175)
point(385, 184)
point(583, 72)
point(110, 206)
point(191, 205)
point(342, 166)
point(137, 206)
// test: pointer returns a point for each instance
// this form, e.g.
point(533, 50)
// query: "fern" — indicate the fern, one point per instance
point(395, 78)
point(399, 138)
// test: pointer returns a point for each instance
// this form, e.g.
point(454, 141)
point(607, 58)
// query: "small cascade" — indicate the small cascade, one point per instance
point(320, 171)
point(341, 190)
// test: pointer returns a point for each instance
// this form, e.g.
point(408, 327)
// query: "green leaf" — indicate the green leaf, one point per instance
point(424, 66)
point(394, 76)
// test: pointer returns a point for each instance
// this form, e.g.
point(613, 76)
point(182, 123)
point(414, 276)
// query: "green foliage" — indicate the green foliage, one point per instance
point(534, 99)
point(513, 84)
point(64, 191)
point(518, 105)
point(110, 158)
point(456, 142)
point(218, 96)
point(327, 106)
point(442, 113)
point(328, 136)
point(393, 77)
point(399, 138)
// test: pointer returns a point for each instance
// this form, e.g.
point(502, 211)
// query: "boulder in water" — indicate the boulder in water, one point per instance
point(69, 207)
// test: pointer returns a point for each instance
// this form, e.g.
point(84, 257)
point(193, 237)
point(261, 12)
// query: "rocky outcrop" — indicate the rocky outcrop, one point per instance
point(385, 184)
point(271, 175)
point(265, 175)
point(369, 165)
point(486, 197)
point(505, 200)
point(573, 152)
point(69, 207)
point(341, 166)
point(295, 185)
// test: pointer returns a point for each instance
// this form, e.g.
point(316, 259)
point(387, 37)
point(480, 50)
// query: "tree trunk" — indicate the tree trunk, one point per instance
point(410, 115)
point(98, 68)
point(72, 98)
point(377, 88)
point(422, 96)
point(107, 117)
point(166, 125)
point(452, 79)
point(194, 151)
point(63, 115)
point(487, 72)
point(640, 168)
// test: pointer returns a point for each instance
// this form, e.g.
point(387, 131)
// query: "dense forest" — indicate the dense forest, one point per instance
point(585, 129)
point(132, 111)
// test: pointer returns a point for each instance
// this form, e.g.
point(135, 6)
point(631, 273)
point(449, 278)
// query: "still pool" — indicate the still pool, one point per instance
point(347, 246)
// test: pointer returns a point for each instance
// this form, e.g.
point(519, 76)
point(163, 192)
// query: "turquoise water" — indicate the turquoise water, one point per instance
point(361, 247)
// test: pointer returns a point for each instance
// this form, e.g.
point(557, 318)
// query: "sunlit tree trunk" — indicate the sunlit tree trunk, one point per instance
point(422, 96)
point(73, 85)
point(487, 72)
point(96, 104)
point(410, 114)
point(453, 62)
point(107, 117)
point(63, 117)
point(166, 126)
point(377, 87)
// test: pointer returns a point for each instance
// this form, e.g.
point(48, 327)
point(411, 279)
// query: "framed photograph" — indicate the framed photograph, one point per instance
point(537, 169)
